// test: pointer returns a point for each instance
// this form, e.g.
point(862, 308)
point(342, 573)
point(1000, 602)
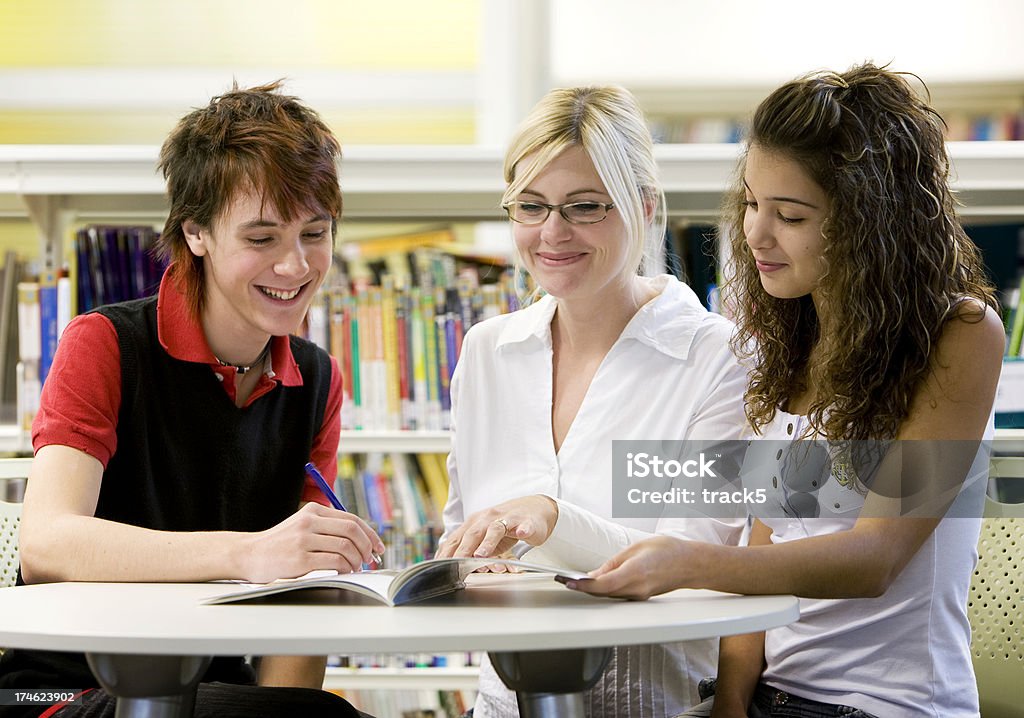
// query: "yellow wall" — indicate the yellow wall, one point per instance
point(281, 37)
point(139, 127)
point(346, 34)
point(21, 236)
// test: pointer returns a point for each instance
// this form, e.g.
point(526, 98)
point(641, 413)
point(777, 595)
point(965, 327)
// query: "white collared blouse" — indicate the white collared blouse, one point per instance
point(670, 376)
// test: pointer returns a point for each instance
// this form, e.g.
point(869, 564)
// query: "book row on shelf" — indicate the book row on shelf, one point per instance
point(395, 319)
point(111, 264)
point(960, 126)
point(114, 264)
point(392, 661)
point(402, 496)
point(398, 346)
point(393, 314)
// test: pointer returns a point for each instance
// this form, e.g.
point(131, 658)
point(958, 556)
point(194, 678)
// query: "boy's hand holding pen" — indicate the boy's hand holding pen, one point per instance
point(315, 474)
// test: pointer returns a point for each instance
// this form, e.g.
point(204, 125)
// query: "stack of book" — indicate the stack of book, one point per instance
point(112, 264)
point(44, 309)
point(401, 495)
point(396, 323)
point(115, 264)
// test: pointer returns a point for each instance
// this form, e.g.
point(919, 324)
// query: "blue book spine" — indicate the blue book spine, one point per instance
point(124, 263)
point(137, 257)
point(86, 294)
point(99, 284)
point(47, 322)
point(374, 509)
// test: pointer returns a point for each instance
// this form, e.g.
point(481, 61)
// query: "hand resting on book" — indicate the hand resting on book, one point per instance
point(494, 531)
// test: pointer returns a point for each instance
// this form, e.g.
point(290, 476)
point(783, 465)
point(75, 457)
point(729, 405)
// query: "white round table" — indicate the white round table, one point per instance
point(142, 639)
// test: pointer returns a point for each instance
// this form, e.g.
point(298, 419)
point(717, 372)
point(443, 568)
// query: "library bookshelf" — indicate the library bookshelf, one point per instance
point(61, 186)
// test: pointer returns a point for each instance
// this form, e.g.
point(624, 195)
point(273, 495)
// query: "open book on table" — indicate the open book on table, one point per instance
point(391, 586)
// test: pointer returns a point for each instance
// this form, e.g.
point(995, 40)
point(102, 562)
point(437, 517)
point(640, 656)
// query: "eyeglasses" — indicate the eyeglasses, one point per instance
point(572, 212)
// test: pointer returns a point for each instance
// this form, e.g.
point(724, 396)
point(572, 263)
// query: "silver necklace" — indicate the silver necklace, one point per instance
point(241, 370)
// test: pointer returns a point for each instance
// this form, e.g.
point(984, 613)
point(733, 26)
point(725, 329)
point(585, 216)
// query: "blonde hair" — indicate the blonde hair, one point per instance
point(609, 126)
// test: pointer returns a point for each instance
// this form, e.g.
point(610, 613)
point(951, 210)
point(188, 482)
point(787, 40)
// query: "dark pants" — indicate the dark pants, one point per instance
point(773, 703)
point(779, 704)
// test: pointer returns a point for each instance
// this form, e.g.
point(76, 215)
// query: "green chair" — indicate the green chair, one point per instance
point(996, 603)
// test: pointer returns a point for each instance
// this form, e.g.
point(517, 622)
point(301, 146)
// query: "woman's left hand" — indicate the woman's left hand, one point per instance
point(494, 531)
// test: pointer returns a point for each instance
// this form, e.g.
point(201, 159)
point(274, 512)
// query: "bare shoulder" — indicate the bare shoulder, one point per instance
point(955, 398)
point(973, 336)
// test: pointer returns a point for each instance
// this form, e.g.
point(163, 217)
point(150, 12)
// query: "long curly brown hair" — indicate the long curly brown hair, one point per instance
point(897, 261)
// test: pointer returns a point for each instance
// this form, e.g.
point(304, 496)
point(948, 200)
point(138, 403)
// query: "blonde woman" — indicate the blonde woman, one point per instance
point(607, 354)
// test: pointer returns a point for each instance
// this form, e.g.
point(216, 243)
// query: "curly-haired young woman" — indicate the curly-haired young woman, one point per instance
point(863, 308)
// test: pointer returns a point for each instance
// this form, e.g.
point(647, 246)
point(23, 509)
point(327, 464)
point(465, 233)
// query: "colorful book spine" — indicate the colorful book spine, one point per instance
point(443, 375)
point(405, 397)
point(1013, 348)
point(390, 351)
point(399, 349)
point(48, 333)
point(29, 346)
point(357, 362)
point(115, 264)
point(378, 383)
point(436, 476)
point(110, 264)
point(433, 419)
point(340, 351)
point(343, 484)
point(375, 512)
point(65, 304)
point(318, 321)
point(382, 480)
point(29, 340)
point(407, 511)
point(455, 328)
point(83, 270)
point(420, 394)
point(96, 270)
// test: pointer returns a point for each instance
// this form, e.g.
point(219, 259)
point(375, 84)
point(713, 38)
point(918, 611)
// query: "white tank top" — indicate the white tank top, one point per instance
point(903, 654)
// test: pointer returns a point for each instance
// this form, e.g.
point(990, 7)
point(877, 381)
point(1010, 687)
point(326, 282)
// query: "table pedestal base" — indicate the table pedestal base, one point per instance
point(149, 686)
point(551, 683)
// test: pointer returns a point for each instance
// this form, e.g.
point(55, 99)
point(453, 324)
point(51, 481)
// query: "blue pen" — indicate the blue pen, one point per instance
point(333, 498)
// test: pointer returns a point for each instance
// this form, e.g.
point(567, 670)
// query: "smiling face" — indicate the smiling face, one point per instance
point(573, 261)
point(261, 272)
point(785, 212)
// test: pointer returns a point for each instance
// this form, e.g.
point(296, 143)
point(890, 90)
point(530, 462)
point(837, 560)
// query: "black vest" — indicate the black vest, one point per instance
point(187, 458)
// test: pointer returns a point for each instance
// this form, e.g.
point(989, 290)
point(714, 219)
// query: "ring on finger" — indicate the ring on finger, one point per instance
point(503, 523)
